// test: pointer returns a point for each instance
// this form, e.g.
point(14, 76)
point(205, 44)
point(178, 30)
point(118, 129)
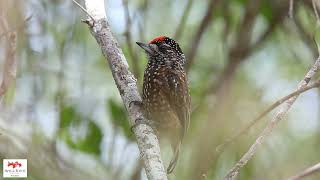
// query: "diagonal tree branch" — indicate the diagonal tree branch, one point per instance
point(183, 20)
point(222, 146)
point(307, 172)
point(147, 140)
point(205, 22)
point(232, 174)
point(315, 9)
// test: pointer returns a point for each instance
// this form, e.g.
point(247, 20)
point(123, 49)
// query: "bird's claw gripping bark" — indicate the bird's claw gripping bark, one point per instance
point(140, 120)
point(144, 121)
point(137, 103)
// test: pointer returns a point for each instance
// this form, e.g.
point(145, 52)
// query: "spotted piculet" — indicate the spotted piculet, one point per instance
point(166, 99)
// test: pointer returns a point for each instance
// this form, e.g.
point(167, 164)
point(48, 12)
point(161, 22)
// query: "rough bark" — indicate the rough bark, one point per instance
point(146, 139)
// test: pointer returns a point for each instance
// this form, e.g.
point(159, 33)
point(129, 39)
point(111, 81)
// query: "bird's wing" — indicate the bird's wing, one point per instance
point(176, 90)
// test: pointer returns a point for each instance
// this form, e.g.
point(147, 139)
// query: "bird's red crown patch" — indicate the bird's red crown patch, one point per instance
point(158, 39)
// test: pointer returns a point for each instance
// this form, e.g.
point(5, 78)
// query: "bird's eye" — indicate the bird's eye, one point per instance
point(165, 45)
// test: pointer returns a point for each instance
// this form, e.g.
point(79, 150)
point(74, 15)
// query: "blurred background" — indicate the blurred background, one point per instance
point(64, 114)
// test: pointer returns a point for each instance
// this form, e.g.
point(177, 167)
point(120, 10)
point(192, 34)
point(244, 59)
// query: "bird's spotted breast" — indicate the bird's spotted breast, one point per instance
point(156, 102)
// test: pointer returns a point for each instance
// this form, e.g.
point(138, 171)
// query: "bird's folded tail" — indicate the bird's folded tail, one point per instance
point(174, 160)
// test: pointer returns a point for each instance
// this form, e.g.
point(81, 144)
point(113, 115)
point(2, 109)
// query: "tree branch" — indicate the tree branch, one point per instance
point(222, 146)
point(147, 140)
point(314, 4)
point(306, 37)
point(232, 174)
point(291, 4)
point(10, 64)
point(183, 20)
point(127, 34)
point(206, 21)
point(15, 29)
point(307, 172)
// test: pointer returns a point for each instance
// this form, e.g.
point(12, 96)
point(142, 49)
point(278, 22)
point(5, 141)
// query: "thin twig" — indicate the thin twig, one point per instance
point(314, 5)
point(227, 20)
point(20, 26)
point(140, 16)
point(183, 20)
point(10, 64)
point(205, 22)
point(291, 8)
point(83, 9)
point(307, 38)
point(232, 174)
point(245, 130)
point(127, 33)
point(307, 172)
point(242, 48)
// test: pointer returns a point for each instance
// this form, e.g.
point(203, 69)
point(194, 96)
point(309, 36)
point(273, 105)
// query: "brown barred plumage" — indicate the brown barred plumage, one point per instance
point(166, 99)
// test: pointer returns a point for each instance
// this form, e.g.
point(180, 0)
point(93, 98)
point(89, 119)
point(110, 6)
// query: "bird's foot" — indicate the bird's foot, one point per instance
point(137, 103)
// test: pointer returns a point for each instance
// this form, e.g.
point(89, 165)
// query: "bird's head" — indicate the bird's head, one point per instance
point(161, 46)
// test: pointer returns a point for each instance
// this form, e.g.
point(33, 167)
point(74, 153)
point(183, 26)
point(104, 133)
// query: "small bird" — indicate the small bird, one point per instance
point(166, 99)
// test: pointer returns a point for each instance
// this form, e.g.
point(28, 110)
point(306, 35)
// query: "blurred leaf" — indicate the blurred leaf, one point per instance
point(67, 116)
point(119, 118)
point(90, 143)
point(266, 10)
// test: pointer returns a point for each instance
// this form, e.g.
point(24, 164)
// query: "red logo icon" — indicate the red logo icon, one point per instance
point(14, 164)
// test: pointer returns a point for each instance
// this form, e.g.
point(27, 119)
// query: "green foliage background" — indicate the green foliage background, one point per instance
point(69, 98)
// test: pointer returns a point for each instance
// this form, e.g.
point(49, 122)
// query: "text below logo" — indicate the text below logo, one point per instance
point(15, 168)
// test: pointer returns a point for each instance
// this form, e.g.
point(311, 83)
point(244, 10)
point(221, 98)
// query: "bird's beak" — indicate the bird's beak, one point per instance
point(147, 47)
